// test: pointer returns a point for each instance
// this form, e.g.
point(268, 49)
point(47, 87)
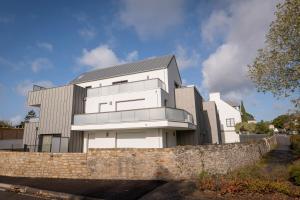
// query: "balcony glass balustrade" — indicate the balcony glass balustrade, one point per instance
point(126, 87)
point(149, 114)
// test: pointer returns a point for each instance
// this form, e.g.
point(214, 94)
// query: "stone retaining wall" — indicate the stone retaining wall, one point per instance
point(168, 163)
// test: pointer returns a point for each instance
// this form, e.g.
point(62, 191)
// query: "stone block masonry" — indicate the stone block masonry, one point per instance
point(182, 162)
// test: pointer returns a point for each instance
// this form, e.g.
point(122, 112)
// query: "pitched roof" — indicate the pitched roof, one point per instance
point(125, 69)
point(233, 104)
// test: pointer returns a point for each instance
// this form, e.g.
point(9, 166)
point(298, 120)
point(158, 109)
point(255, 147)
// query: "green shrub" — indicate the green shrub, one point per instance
point(295, 143)
point(294, 171)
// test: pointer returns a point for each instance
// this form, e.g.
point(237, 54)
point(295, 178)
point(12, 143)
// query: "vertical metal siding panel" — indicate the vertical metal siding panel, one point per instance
point(67, 111)
point(56, 110)
point(59, 115)
point(63, 103)
point(29, 98)
point(70, 101)
point(47, 117)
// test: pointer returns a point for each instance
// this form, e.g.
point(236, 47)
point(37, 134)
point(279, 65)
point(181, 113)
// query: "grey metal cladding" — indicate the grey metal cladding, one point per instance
point(30, 133)
point(125, 69)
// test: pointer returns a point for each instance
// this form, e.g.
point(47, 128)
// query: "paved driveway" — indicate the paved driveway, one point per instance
point(15, 196)
point(106, 189)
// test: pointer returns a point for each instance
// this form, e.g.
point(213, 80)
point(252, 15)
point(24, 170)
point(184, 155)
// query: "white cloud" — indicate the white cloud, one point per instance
point(25, 86)
point(186, 59)
point(16, 120)
point(103, 56)
point(39, 64)
point(45, 45)
point(151, 18)
point(132, 56)
point(245, 25)
point(87, 33)
point(217, 24)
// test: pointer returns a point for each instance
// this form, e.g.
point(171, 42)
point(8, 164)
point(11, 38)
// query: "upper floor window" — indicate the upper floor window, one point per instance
point(120, 82)
point(230, 122)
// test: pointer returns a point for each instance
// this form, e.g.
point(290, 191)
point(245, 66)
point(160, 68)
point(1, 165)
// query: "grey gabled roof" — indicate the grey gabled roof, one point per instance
point(233, 104)
point(125, 69)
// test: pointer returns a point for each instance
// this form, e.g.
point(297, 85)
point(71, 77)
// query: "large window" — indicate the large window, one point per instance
point(230, 122)
point(53, 143)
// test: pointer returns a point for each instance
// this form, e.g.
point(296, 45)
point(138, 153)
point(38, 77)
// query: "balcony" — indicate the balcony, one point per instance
point(126, 87)
point(140, 118)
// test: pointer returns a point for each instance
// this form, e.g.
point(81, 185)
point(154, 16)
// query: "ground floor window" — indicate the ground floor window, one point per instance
point(53, 143)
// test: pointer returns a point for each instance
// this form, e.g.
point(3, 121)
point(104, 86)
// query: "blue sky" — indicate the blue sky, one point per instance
point(51, 42)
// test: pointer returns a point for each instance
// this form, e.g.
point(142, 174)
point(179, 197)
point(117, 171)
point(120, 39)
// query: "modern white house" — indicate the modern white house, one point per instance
point(229, 116)
point(134, 105)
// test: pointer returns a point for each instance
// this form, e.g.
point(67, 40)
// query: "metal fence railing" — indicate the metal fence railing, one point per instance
point(148, 114)
point(126, 87)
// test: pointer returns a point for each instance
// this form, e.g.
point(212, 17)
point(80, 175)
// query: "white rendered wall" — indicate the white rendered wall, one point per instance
point(169, 76)
point(161, 74)
point(144, 138)
point(225, 112)
point(125, 101)
point(173, 76)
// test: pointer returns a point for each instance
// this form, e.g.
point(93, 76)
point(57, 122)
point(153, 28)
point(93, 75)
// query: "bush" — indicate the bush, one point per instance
point(294, 171)
point(245, 127)
point(295, 143)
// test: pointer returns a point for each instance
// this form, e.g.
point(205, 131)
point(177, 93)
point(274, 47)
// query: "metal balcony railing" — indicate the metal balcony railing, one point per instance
point(126, 87)
point(149, 114)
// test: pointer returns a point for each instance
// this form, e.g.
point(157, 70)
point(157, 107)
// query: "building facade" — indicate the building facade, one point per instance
point(134, 105)
point(229, 116)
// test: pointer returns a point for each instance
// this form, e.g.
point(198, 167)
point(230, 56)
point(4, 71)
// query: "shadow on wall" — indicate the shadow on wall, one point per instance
point(162, 173)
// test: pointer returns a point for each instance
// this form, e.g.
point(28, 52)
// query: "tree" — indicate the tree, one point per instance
point(245, 116)
point(243, 111)
point(262, 128)
point(279, 121)
point(5, 124)
point(30, 114)
point(276, 69)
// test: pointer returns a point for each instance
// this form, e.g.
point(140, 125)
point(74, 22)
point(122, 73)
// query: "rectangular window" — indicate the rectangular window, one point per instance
point(53, 143)
point(230, 122)
point(120, 82)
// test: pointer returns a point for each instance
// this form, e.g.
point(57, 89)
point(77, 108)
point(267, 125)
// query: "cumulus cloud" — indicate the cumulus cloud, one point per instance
point(244, 25)
point(103, 56)
point(45, 45)
point(25, 86)
point(217, 24)
point(39, 64)
point(185, 58)
point(151, 18)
